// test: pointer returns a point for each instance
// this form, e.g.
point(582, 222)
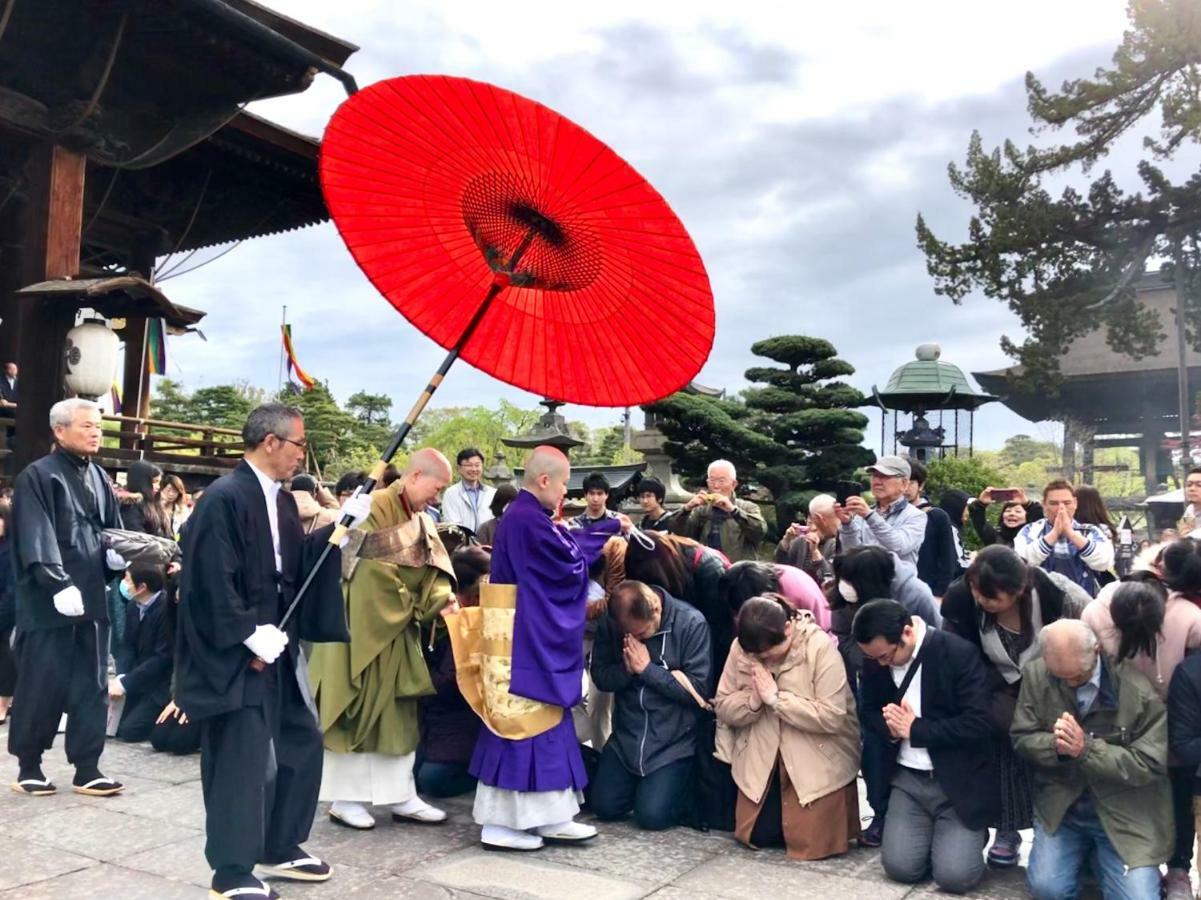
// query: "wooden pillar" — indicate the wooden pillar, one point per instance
point(134, 393)
point(1148, 454)
point(1069, 451)
point(1087, 460)
point(53, 219)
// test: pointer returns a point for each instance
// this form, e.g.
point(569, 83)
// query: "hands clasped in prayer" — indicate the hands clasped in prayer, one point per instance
point(899, 718)
point(1069, 736)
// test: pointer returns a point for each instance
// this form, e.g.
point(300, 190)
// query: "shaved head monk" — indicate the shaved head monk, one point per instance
point(367, 691)
point(530, 787)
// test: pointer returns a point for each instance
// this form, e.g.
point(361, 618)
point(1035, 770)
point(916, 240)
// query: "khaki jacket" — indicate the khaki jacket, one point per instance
point(813, 727)
point(741, 533)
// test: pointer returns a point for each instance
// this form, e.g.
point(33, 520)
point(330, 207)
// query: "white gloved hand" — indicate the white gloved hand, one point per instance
point(267, 643)
point(115, 560)
point(358, 508)
point(69, 602)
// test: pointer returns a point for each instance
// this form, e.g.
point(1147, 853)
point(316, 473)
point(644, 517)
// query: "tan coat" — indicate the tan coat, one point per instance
point(813, 727)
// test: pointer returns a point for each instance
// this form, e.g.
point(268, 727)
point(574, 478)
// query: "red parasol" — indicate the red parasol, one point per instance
point(436, 183)
point(516, 240)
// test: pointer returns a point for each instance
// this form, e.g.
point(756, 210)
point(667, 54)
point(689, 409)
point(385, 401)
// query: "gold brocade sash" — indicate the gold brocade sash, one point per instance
point(482, 640)
point(412, 544)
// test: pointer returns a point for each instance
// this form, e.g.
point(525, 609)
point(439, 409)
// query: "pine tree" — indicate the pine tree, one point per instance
point(1070, 265)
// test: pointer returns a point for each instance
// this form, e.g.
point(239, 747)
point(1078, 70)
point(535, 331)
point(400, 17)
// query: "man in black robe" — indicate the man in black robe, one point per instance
point(245, 557)
point(61, 503)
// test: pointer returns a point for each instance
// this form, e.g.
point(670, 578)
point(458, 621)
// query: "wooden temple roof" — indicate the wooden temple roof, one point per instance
point(1110, 391)
point(250, 178)
point(131, 83)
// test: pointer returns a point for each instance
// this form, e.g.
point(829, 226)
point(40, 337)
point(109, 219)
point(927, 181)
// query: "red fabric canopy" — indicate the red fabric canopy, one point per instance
point(434, 183)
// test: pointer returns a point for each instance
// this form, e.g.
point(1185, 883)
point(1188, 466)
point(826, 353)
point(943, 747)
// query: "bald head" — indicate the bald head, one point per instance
point(1069, 650)
point(545, 476)
point(428, 461)
point(427, 473)
point(544, 461)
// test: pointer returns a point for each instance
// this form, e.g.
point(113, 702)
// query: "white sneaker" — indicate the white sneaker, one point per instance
point(352, 815)
point(498, 837)
point(567, 832)
point(417, 810)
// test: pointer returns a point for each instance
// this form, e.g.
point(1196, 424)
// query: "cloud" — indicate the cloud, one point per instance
point(798, 152)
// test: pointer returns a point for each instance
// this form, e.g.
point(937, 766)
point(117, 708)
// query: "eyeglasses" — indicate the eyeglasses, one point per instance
point(302, 443)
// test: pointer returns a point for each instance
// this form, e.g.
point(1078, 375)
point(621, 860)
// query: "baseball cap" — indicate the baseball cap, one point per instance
point(893, 466)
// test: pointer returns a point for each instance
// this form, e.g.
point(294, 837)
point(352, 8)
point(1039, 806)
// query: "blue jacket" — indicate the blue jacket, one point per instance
point(654, 716)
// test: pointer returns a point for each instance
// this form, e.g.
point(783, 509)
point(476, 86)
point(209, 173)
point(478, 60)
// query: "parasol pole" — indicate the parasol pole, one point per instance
point(501, 280)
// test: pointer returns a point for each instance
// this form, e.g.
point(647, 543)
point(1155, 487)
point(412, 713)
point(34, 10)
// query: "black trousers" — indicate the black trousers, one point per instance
point(260, 771)
point(137, 718)
point(61, 670)
point(8, 664)
point(171, 737)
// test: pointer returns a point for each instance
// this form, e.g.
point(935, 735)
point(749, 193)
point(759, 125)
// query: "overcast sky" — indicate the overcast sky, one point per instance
point(796, 142)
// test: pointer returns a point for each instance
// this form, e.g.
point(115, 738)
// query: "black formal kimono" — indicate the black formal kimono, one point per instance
point(61, 503)
point(145, 667)
point(252, 721)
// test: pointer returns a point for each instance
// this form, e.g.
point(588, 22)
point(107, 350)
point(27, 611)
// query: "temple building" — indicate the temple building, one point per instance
point(125, 142)
point(1109, 399)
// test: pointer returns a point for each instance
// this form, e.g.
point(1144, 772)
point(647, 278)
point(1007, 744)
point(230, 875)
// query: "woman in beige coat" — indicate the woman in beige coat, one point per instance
point(787, 726)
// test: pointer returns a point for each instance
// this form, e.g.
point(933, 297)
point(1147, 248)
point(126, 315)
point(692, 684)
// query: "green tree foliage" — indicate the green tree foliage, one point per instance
point(970, 474)
point(370, 409)
point(222, 406)
point(1069, 265)
point(451, 429)
point(796, 435)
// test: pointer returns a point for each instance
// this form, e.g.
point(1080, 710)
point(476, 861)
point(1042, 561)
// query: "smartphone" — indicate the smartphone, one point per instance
point(844, 490)
point(1004, 495)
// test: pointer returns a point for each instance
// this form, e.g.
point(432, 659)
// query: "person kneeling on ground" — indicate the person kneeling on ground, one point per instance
point(926, 691)
point(1097, 736)
point(147, 659)
point(789, 730)
point(652, 651)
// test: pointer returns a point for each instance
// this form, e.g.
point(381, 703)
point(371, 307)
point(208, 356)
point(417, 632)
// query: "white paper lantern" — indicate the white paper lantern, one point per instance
point(91, 356)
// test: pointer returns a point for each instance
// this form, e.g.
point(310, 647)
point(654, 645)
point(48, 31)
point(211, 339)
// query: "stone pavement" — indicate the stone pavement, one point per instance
point(149, 843)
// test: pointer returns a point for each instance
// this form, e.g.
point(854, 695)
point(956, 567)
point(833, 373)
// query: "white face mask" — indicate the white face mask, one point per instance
point(849, 594)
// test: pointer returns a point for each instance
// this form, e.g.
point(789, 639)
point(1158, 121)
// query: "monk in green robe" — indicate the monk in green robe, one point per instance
point(396, 578)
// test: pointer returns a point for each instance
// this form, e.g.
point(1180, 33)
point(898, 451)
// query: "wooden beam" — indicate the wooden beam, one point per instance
point(53, 219)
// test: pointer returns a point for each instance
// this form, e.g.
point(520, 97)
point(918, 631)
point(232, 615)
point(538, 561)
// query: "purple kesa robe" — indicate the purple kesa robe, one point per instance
point(549, 564)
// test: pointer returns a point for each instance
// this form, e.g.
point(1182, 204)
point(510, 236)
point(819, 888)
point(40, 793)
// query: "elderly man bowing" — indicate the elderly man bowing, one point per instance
point(529, 787)
point(396, 579)
point(1097, 735)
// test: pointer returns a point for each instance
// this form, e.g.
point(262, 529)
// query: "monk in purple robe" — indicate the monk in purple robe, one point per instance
point(529, 790)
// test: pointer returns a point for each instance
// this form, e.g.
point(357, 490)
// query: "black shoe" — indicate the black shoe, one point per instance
point(873, 835)
point(242, 887)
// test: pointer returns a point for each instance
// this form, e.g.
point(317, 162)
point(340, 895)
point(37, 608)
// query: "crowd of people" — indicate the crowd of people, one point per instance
point(675, 670)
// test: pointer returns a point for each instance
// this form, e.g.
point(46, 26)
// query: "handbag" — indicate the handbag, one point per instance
point(481, 638)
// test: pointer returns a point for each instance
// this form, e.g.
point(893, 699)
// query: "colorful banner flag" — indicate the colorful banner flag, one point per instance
point(115, 395)
point(156, 347)
point(306, 381)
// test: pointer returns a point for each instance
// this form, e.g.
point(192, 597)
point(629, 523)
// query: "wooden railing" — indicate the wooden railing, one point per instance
point(178, 445)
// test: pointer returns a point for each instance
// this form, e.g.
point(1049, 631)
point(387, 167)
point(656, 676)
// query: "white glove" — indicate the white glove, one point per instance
point(358, 508)
point(115, 560)
point(267, 643)
point(69, 602)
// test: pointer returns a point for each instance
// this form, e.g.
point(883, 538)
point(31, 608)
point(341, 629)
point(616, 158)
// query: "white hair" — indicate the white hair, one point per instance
point(722, 464)
point(1080, 633)
point(62, 413)
point(822, 503)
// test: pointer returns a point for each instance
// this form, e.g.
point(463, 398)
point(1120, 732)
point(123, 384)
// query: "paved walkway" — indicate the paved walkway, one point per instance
point(149, 842)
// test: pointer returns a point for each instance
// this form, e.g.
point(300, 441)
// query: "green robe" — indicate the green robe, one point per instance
point(367, 691)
